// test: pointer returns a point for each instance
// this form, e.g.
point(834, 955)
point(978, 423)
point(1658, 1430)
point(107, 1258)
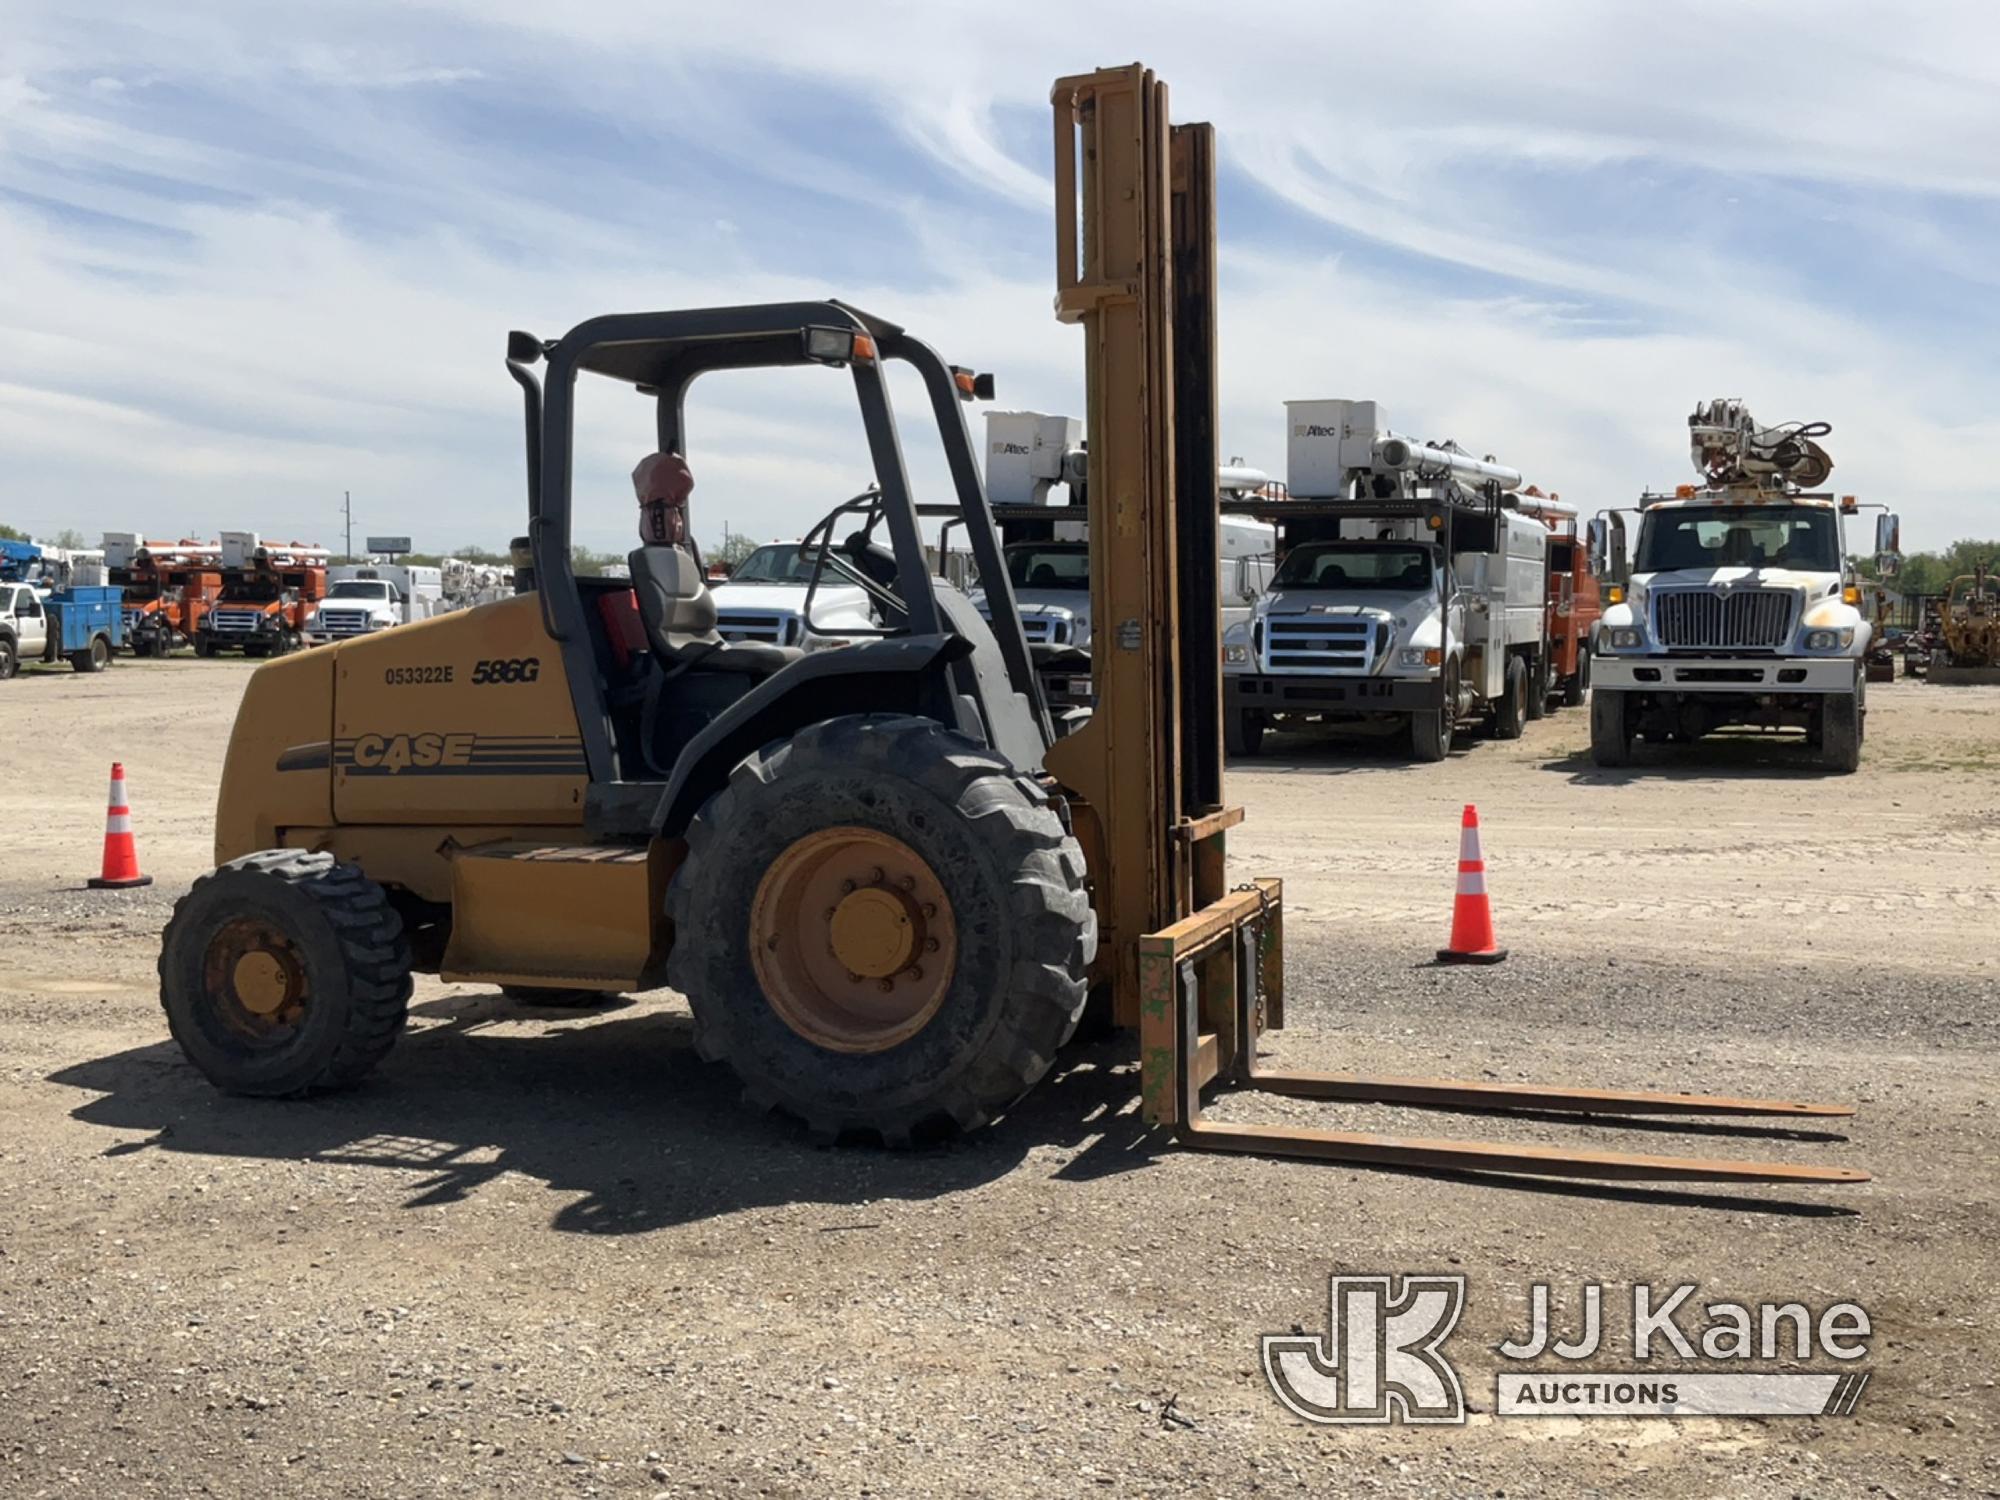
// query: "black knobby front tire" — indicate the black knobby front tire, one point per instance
point(203, 646)
point(1014, 878)
point(1243, 732)
point(348, 945)
point(1510, 714)
point(1610, 734)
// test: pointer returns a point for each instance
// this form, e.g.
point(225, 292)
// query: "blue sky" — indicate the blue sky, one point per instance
point(254, 256)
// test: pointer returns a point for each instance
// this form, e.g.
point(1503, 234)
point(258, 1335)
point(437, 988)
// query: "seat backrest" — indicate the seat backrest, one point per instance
point(674, 603)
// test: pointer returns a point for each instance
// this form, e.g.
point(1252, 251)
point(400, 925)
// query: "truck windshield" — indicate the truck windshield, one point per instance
point(357, 588)
point(1039, 566)
point(1355, 565)
point(773, 565)
point(1739, 536)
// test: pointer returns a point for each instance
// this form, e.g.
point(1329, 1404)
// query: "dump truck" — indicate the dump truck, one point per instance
point(269, 591)
point(1740, 605)
point(883, 884)
point(1411, 591)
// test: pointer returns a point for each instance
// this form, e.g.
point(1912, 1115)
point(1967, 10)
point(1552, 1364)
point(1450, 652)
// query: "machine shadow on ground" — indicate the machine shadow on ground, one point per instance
point(1741, 758)
point(1341, 752)
point(615, 1108)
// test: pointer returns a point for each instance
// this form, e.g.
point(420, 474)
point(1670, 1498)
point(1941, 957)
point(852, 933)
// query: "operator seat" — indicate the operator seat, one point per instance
point(679, 615)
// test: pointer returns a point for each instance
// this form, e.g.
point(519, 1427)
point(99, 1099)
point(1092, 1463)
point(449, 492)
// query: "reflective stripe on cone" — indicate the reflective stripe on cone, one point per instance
point(1472, 940)
point(120, 870)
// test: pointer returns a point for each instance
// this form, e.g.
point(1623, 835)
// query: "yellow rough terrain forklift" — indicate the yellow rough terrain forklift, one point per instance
point(882, 884)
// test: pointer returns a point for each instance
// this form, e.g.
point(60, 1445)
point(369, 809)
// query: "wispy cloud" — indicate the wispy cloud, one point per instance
point(257, 255)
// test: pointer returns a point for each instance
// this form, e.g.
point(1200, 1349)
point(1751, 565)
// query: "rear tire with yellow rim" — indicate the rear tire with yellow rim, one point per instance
point(882, 927)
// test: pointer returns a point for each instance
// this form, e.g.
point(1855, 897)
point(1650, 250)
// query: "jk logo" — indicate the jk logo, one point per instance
point(1379, 1361)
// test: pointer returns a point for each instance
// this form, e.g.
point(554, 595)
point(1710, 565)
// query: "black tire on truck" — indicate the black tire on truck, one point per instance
point(92, 658)
point(1540, 685)
point(1243, 732)
point(1431, 731)
point(1510, 714)
point(203, 646)
point(1610, 733)
point(10, 657)
point(1576, 686)
point(883, 929)
point(1840, 733)
point(285, 973)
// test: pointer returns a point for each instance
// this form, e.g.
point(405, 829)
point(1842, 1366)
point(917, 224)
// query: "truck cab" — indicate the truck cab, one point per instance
point(24, 627)
point(764, 600)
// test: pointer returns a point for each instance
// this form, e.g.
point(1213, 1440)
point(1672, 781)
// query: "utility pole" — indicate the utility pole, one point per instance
point(347, 511)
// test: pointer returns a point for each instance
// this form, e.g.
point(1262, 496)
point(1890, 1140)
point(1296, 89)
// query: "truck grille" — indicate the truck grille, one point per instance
point(758, 625)
point(344, 621)
point(1319, 645)
point(1045, 630)
point(234, 621)
point(1742, 620)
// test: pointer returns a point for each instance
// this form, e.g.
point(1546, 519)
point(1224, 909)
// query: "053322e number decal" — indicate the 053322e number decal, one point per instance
point(416, 676)
point(517, 669)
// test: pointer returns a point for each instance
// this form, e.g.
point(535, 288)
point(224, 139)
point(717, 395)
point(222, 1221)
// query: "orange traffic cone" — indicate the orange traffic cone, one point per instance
point(121, 855)
point(1471, 914)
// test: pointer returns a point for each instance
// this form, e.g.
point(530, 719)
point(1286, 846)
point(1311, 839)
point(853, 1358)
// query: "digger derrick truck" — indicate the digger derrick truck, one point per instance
point(269, 593)
point(1740, 605)
point(1410, 590)
point(883, 885)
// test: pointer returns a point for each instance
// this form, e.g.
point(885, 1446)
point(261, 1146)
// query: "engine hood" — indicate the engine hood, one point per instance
point(1749, 578)
point(1352, 604)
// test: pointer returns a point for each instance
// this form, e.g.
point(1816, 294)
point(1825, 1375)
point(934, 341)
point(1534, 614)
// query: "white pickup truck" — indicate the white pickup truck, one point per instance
point(764, 599)
point(24, 627)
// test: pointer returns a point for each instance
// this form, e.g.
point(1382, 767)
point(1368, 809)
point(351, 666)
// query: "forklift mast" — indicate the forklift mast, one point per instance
point(1196, 965)
point(1135, 261)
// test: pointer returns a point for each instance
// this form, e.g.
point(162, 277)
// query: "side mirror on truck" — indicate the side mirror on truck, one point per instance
point(1888, 544)
point(1607, 547)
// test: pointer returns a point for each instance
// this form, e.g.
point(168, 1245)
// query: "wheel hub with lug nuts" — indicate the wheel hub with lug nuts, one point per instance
point(255, 980)
point(852, 939)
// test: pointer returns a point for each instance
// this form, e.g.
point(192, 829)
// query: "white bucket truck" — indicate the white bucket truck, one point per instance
point(362, 598)
point(1741, 606)
point(1047, 549)
point(1409, 590)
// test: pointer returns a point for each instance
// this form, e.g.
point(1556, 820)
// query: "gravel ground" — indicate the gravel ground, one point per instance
point(548, 1253)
